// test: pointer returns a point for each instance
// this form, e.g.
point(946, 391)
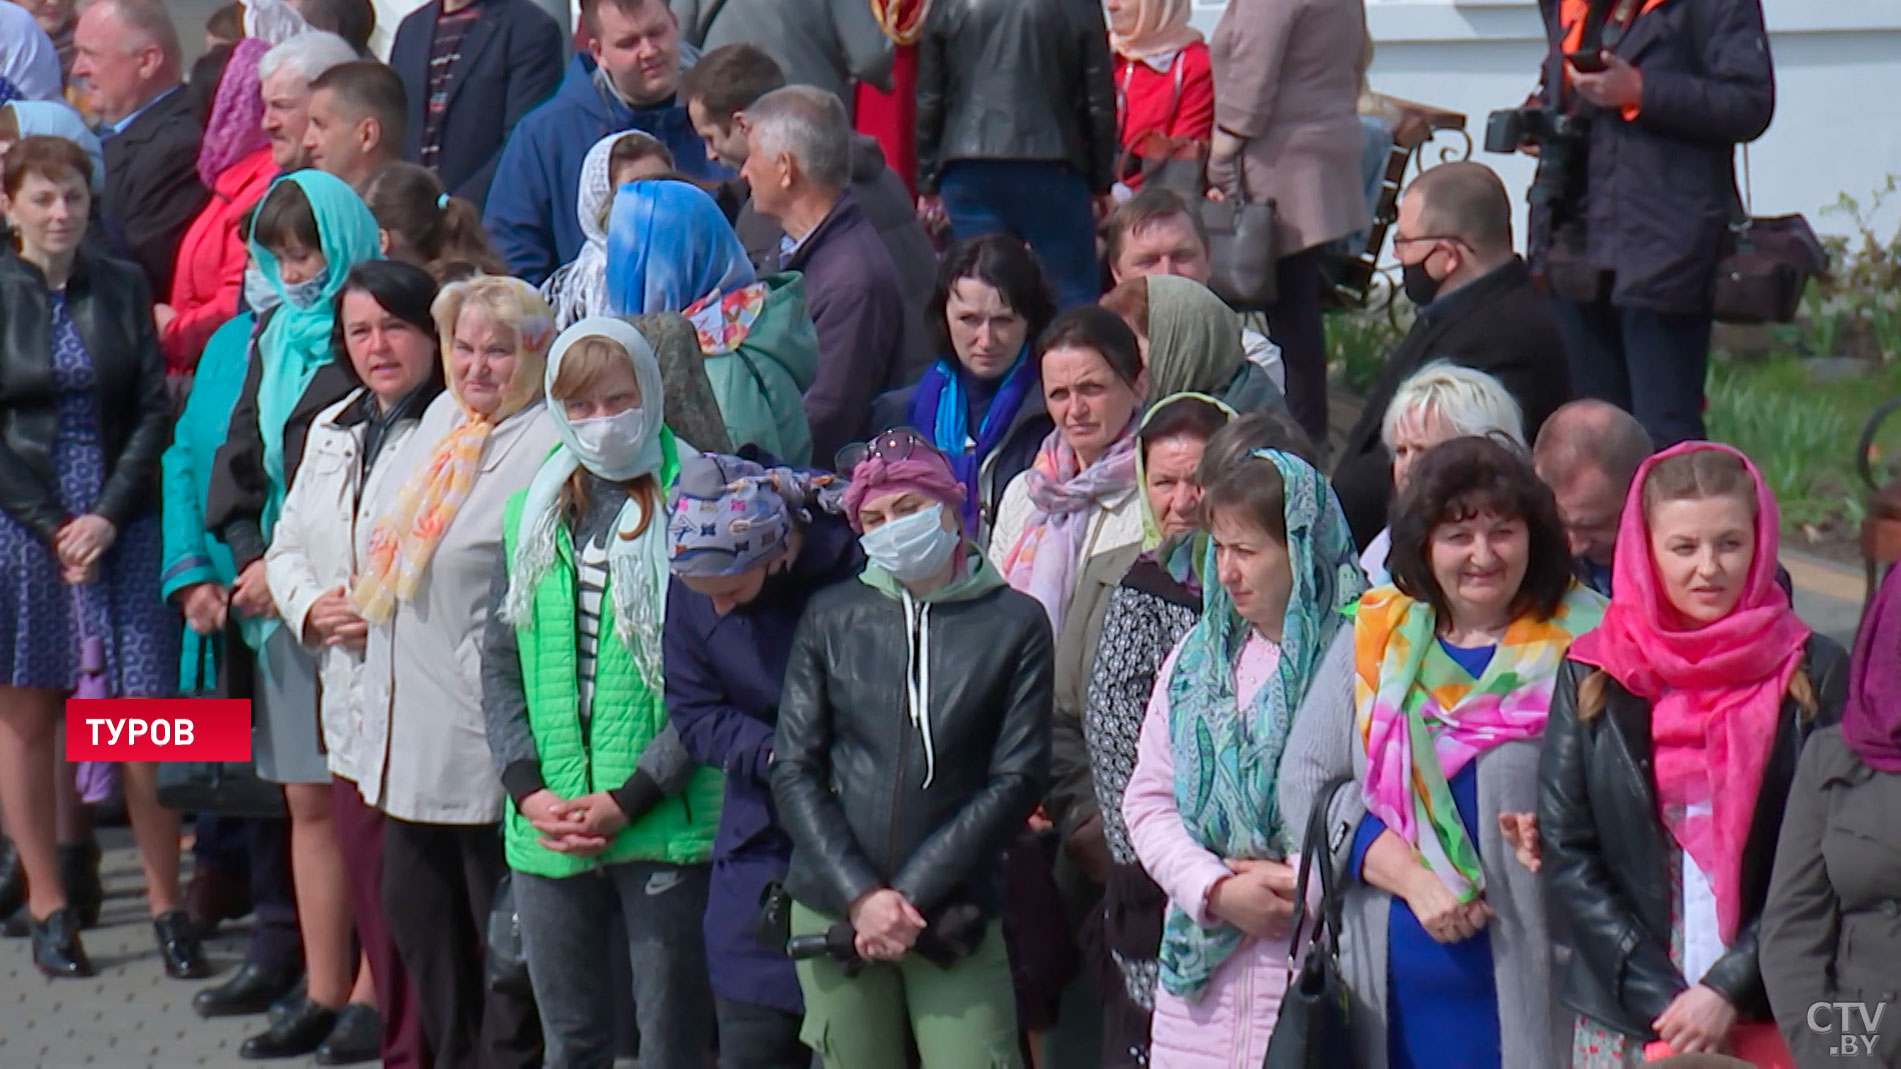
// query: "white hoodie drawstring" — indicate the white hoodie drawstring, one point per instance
point(917, 678)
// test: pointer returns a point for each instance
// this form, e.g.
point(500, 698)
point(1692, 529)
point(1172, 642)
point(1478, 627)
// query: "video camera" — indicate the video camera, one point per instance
point(1560, 138)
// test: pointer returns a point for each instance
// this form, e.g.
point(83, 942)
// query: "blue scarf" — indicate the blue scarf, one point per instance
point(1227, 759)
point(941, 409)
point(668, 246)
point(296, 341)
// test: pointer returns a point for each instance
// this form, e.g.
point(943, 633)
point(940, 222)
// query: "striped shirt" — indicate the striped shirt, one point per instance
point(590, 587)
point(445, 51)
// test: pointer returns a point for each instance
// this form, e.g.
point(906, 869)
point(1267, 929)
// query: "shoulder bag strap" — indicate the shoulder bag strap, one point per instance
point(1317, 843)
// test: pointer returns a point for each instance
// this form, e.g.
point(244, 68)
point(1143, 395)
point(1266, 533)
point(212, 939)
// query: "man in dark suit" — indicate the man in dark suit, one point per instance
point(1477, 308)
point(471, 69)
point(128, 53)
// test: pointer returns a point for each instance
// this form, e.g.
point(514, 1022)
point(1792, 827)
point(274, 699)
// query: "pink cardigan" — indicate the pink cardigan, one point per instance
point(1229, 1026)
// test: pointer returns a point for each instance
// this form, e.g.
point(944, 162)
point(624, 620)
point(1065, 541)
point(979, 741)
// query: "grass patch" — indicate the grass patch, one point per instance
point(1358, 344)
point(1803, 435)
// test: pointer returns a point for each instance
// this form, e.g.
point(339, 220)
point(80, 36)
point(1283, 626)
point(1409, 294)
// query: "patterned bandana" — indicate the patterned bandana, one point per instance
point(727, 515)
point(1421, 727)
point(1227, 759)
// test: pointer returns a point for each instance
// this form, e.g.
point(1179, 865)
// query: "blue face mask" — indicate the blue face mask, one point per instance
point(912, 547)
point(309, 292)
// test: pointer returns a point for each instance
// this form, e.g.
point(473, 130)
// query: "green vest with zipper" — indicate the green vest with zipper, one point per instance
point(600, 756)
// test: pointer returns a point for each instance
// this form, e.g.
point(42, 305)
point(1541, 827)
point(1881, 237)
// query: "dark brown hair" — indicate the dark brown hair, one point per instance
point(52, 158)
point(1130, 300)
point(591, 11)
point(366, 89)
point(1094, 327)
point(1004, 264)
point(285, 219)
point(352, 20)
point(1189, 417)
point(227, 23)
point(727, 80)
point(1269, 428)
point(1253, 487)
point(442, 236)
point(1468, 477)
point(1150, 206)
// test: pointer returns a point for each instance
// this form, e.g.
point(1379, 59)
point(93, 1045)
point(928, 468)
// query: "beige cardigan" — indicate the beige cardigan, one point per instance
point(425, 743)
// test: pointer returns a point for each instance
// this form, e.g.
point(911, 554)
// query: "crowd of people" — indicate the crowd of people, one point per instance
point(873, 582)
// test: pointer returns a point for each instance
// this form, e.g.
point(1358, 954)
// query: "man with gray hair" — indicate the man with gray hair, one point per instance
point(127, 51)
point(798, 163)
point(1588, 453)
point(284, 75)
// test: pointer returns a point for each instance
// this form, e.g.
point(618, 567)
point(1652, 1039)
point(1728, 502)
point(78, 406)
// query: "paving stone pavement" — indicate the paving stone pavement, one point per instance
point(129, 1015)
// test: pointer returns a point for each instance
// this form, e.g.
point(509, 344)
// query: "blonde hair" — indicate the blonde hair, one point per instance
point(583, 366)
point(515, 307)
point(1473, 404)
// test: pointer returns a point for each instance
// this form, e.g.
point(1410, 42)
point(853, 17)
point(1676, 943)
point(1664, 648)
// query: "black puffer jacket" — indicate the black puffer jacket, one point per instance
point(1016, 80)
point(112, 309)
point(1657, 189)
point(849, 767)
point(1606, 850)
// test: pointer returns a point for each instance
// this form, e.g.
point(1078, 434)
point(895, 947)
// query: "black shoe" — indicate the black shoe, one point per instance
point(56, 948)
point(357, 1037)
point(79, 875)
point(250, 990)
point(178, 945)
point(12, 879)
point(292, 1000)
point(301, 1032)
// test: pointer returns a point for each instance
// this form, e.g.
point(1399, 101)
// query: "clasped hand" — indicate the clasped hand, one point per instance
point(333, 621)
point(580, 827)
point(885, 924)
point(1258, 898)
point(79, 544)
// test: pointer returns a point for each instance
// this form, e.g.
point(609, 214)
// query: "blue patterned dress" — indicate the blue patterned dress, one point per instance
point(39, 642)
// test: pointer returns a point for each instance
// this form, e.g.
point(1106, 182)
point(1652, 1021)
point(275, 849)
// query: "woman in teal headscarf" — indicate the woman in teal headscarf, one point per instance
point(670, 249)
point(306, 234)
point(1201, 803)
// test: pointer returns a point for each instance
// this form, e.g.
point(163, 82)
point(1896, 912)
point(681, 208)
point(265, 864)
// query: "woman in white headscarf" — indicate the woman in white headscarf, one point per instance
point(577, 713)
point(579, 289)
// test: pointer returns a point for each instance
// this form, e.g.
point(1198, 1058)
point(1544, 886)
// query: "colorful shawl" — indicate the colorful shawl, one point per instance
point(724, 321)
point(940, 408)
point(1422, 724)
point(295, 344)
point(1715, 692)
point(1064, 497)
point(405, 537)
point(1227, 760)
point(1181, 555)
point(669, 247)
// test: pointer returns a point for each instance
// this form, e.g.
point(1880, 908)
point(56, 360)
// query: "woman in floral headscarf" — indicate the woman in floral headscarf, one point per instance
point(1434, 705)
point(670, 249)
point(1201, 803)
point(431, 553)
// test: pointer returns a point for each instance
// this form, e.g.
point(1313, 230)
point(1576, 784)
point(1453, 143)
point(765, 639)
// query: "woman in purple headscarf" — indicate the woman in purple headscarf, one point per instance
point(234, 162)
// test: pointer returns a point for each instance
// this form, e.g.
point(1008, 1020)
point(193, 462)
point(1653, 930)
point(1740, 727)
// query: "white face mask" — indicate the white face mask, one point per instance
point(610, 443)
point(911, 547)
point(259, 295)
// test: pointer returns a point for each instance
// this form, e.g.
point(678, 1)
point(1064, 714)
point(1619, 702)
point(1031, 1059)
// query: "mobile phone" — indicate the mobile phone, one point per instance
point(1587, 62)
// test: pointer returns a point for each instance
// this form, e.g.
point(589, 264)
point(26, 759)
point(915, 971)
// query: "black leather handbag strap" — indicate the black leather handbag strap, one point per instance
point(1318, 844)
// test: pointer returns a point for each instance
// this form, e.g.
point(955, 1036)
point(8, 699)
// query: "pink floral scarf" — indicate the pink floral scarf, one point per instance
point(1065, 496)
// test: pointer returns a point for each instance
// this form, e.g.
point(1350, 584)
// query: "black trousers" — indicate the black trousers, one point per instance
point(1295, 324)
point(1651, 364)
point(276, 942)
point(438, 884)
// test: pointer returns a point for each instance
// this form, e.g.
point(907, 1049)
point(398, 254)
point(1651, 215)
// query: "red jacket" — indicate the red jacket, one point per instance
point(210, 272)
point(1148, 101)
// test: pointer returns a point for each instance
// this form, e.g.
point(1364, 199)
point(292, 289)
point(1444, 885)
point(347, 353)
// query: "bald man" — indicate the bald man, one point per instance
point(128, 53)
point(1477, 308)
point(1588, 453)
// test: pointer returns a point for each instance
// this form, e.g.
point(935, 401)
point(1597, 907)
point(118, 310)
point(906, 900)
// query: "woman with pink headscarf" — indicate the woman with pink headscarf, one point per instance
point(234, 162)
point(1673, 738)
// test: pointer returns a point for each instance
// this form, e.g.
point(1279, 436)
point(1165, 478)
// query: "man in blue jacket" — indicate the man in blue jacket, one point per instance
point(628, 80)
point(745, 561)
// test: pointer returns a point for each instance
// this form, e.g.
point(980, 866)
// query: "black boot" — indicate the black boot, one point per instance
point(12, 879)
point(250, 990)
point(178, 946)
point(357, 1037)
point(79, 875)
point(56, 948)
point(300, 1033)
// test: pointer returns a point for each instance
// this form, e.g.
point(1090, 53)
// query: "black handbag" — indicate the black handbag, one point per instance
point(1765, 264)
point(225, 788)
point(1314, 1030)
point(1243, 251)
point(505, 964)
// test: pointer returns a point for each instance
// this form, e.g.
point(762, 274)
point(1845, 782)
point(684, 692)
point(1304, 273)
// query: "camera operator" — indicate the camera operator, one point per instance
point(1642, 106)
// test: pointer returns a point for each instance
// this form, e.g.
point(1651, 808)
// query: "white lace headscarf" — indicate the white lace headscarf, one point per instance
point(579, 289)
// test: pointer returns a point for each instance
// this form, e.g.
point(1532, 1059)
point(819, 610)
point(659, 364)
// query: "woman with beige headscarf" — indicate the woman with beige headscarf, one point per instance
point(430, 554)
point(1165, 85)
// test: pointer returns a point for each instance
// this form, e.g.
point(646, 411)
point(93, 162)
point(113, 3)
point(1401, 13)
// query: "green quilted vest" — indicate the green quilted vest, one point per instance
point(626, 716)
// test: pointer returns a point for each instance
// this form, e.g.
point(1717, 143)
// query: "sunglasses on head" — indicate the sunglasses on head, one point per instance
point(899, 443)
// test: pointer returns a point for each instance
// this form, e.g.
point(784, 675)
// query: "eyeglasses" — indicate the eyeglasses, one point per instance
point(1401, 239)
point(898, 443)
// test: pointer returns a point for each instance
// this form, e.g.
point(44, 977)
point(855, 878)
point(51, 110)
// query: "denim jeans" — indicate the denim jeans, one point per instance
point(1044, 203)
point(1649, 363)
point(563, 927)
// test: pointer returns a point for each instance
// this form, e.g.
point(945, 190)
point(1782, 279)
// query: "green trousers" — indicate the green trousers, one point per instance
point(963, 1017)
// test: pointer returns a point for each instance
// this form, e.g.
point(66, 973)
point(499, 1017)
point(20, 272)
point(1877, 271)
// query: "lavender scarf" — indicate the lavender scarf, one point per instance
point(1045, 560)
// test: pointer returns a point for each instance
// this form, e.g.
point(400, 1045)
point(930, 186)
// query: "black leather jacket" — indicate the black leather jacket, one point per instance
point(1606, 850)
point(849, 767)
point(112, 309)
point(1016, 80)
